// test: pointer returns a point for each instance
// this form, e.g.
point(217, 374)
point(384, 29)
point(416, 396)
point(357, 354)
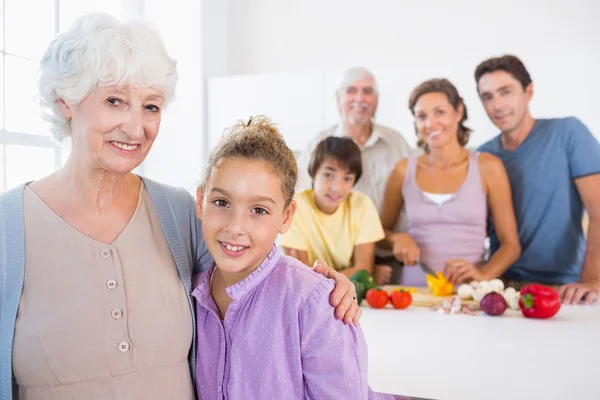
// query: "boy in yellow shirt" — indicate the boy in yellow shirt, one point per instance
point(332, 222)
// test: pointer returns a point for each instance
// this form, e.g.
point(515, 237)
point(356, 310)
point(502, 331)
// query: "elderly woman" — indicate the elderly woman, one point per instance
point(96, 262)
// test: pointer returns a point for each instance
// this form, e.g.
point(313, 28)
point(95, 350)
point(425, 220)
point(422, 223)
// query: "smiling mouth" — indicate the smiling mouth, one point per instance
point(502, 116)
point(233, 250)
point(334, 199)
point(124, 146)
point(358, 106)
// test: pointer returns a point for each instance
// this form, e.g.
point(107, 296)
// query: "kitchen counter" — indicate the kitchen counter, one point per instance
point(420, 353)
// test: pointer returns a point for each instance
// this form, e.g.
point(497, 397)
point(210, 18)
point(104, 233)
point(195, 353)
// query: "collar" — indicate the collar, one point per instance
point(201, 282)
point(376, 134)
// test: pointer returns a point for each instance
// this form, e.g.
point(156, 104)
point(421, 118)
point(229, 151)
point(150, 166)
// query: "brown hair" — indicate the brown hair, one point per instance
point(258, 140)
point(509, 63)
point(446, 87)
point(343, 149)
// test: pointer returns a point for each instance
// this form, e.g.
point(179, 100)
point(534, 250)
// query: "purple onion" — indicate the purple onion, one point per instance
point(493, 304)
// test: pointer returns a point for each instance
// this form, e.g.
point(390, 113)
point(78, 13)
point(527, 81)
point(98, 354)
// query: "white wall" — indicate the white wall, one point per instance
point(402, 41)
point(177, 155)
point(294, 101)
point(215, 37)
point(285, 35)
point(406, 42)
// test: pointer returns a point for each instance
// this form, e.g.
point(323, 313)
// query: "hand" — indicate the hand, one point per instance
point(461, 271)
point(405, 249)
point(343, 297)
point(576, 293)
point(382, 274)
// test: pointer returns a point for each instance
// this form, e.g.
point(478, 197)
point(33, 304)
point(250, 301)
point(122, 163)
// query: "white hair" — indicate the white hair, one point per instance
point(98, 50)
point(351, 75)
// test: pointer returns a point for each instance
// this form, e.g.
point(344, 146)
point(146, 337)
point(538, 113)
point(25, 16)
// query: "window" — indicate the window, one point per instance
point(27, 151)
point(27, 162)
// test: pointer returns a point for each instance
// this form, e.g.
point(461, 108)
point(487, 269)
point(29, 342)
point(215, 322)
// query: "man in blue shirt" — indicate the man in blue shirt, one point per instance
point(554, 169)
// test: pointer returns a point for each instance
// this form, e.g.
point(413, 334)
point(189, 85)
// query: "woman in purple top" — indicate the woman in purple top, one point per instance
point(447, 193)
point(264, 319)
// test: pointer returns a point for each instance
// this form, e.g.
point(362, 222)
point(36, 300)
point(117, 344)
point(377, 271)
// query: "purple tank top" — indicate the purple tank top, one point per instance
point(455, 229)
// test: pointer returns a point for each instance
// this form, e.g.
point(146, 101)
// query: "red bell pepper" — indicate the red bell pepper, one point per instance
point(539, 301)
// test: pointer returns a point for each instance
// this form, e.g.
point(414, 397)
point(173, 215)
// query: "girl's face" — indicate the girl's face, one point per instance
point(243, 210)
point(332, 185)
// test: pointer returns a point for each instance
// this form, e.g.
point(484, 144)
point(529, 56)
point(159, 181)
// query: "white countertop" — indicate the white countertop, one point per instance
point(418, 352)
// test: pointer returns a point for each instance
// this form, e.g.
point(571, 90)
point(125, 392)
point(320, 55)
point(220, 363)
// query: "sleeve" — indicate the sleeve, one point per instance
point(334, 355)
point(295, 237)
point(583, 150)
point(368, 224)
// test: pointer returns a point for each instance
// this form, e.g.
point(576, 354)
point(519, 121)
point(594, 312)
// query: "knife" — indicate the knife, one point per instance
point(427, 269)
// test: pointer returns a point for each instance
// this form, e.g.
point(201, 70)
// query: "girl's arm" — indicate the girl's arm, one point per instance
point(343, 296)
point(334, 355)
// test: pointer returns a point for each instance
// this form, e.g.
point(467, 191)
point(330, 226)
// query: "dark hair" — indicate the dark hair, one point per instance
point(509, 63)
point(258, 140)
point(447, 88)
point(343, 149)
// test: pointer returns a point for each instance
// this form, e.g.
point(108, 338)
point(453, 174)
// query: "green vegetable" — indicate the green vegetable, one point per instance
point(365, 278)
point(363, 281)
point(360, 291)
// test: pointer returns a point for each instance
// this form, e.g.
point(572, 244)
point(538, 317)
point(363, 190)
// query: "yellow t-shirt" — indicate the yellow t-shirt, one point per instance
point(332, 238)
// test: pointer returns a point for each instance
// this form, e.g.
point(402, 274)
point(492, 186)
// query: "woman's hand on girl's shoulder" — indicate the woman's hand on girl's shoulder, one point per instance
point(343, 297)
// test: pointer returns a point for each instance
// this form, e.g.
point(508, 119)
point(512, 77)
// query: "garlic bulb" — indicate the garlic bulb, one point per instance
point(479, 293)
point(465, 291)
point(474, 284)
point(497, 285)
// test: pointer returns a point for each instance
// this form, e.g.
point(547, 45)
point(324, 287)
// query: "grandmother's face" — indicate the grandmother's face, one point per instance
point(114, 128)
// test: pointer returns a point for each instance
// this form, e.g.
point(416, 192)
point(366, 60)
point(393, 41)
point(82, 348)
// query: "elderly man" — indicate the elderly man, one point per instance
point(381, 148)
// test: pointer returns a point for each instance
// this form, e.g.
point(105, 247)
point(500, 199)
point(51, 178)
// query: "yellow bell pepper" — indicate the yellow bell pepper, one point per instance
point(439, 286)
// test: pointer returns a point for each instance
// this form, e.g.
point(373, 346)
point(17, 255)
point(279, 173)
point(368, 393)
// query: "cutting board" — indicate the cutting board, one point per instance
point(422, 297)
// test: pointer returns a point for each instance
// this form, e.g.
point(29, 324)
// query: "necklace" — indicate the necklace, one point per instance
point(449, 164)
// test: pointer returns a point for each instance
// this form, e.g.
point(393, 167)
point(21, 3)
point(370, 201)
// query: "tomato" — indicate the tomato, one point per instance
point(400, 299)
point(377, 298)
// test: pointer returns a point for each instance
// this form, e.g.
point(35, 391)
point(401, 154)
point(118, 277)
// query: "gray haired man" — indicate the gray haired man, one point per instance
point(381, 148)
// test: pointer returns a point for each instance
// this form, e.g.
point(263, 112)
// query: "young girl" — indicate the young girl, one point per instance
point(264, 320)
point(333, 222)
